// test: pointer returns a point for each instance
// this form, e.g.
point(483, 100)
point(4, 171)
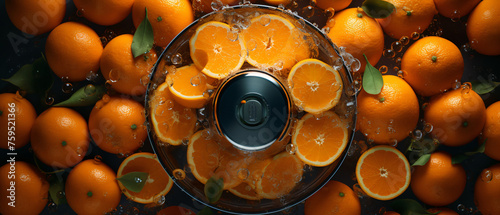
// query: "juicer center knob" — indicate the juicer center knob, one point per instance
point(252, 111)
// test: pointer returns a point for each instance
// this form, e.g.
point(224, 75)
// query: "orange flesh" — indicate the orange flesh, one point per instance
point(189, 81)
point(281, 176)
point(206, 157)
point(383, 173)
point(157, 179)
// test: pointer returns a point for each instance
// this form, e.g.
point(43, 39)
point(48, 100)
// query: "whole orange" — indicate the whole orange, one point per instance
point(117, 125)
point(455, 8)
point(358, 33)
point(432, 64)
point(35, 17)
point(457, 116)
point(388, 117)
point(17, 116)
point(408, 17)
point(337, 5)
point(91, 188)
point(491, 131)
point(487, 191)
point(104, 12)
point(167, 17)
point(59, 137)
point(483, 37)
point(333, 198)
point(438, 182)
point(30, 192)
point(73, 50)
point(122, 70)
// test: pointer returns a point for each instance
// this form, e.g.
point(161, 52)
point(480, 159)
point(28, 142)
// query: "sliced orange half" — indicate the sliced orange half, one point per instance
point(274, 42)
point(320, 140)
point(188, 86)
point(207, 159)
point(315, 86)
point(245, 191)
point(216, 50)
point(383, 172)
point(280, 176)
point(158, 183)
point(171, 121)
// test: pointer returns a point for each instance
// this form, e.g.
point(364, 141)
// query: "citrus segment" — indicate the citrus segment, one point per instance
point(172, 122)
point(158, 183)
point(383, 172)
point(188, 86)
point(245, 191)
point(273, 41)
point(214, 50)
point(320, 141)
point(280, 176)
point(315, 86)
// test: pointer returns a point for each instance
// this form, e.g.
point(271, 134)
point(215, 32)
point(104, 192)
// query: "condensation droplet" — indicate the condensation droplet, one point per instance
point(415, 36)
point(91, 76)
point(428, 128)
point(80, 13)
point(290, 148)
point(397, 46)
point(264, 20)
point(389, 53)
point(179, 174)
point(404, 40)
point(113, 76)
point(329, 13)
point(176, 59)
point(461, 207)
point(486, 176)
point(383, 69)
point(49, 100)
point(67, 87)
point(159, 200)
point(232, 35)
point(145, 80)
point(401, 73)
point(251, 45)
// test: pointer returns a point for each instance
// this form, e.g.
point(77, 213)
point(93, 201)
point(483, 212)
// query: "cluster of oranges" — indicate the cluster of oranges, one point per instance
point(424, 92)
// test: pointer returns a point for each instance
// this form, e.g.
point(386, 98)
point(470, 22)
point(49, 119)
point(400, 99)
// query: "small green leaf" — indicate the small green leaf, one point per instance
point(456, 159)
point(85, 96)
point(372, 79)
point(483, 87)
point(143, 37)
point(56, 191)
point(213, 189)
point(33, 78)
point(134, 181)
point(422, 160)
point(205, 211)
point(409, 207)
point(377, 8)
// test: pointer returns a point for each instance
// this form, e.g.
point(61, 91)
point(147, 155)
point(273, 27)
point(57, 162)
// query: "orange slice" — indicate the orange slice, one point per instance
point(157, 184)
point(245, 191)
point(216, 50)
point(315, 86)
point(320, 141)
point(383, 172)
point(273, 41)
point(280, 176)
point(172, 122)
point(188, 86)
point(255, 171)
point(207, 159)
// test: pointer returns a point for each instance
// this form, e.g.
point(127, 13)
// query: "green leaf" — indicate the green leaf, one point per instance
point(205, 211)
point(456, 159)
point(372, 79)
point(85, 96)
point(409, 207)
point(134, 181)
point(483, 87)
point(213, 189)
point(56, 191)
point(143, 37)
point(422, 160)
point(33, 78)
point(377, 8)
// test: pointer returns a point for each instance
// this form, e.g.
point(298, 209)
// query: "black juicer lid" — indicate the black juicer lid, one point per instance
point(252, 110)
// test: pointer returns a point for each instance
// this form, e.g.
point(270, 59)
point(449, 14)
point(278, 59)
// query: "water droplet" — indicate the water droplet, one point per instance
point(398, 61)
point(329, 13)
point(92, 76)
point(355, 65)
point(216, 5)
point(308, 11)
point(415, 36)
point(198, 79)
point(185, 141)
point(113, 76)
point(383, 69)
point(60, 194)
point(455, 16)
point(179, 174)
point(89, 90)
point(404, 40)
point(290, 148)
point(397, 46)
point(80, 13)
point(389, 53)
point(486, 175)
point(49, 100)
point(416, 135)
point(104, 41)
point(466, 87)
point(159, 200)
point(67, 87)
point(466, 47)
point(243, 174)
point(393, 142)
point(401, 73)
point(52, 207)
point(264, 20)
point(176, 59)
point(105, 98)
point(97, 158)
point(461, 207)
point(251, 45)
point(232, 35)
point(428, 128)
point(79, 151)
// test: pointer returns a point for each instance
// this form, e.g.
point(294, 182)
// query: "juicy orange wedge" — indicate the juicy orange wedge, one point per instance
point(320, 141)
point(158, 183)
point(383, 172)
point(274, 42)
point(280, 176)
point(188, 86)
point(315, 86)
point(171, 121)
point(216, 50)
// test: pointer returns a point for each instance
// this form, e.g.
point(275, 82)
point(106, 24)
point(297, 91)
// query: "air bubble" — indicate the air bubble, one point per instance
point(251, 45)
point(416, 135)
point(176, 59)
point(67, 87)
point(383, 69)
point(270, 32)
point(389, 53)
point(398, 61)
point(197, 79)
point(397, 46)
point(329, 13)
point(466, 87)
point(179, 174)
point(232, 35)
point(404, 40)
point(415, 36)
point(49, 100)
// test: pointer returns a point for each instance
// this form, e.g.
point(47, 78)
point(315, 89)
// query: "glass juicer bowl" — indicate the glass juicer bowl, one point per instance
point(268, 114)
